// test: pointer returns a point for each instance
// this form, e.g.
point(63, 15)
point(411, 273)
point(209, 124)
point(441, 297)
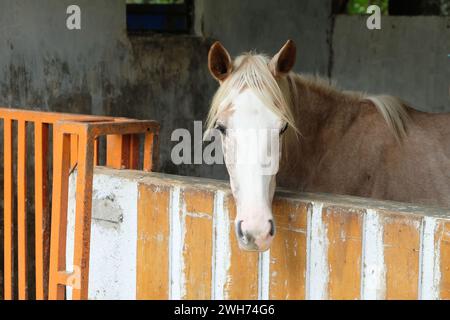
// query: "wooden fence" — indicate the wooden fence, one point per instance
point(73, 141)
point(326, 247)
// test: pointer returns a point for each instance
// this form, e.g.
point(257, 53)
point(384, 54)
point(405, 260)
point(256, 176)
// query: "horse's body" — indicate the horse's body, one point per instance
point(331, 141)
point(348, 147)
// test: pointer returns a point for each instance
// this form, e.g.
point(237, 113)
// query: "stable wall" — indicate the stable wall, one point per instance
point(157, 236)
point(408, 58)
point(265, 25)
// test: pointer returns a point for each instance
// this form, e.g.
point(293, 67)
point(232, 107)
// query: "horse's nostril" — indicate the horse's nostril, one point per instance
point(272, 228)
point(239, 230)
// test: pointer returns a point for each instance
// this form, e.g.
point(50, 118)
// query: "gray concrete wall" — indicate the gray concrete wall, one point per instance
point(265, 25)
point(407, 58)
point(171, 83)
point(45, 66)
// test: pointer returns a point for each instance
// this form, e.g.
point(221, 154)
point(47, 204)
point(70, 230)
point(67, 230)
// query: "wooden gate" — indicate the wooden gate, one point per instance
point(75, 143)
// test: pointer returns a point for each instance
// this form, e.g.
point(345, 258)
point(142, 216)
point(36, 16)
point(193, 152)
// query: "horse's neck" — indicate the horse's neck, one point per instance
point(322, 115)
point(321, 109)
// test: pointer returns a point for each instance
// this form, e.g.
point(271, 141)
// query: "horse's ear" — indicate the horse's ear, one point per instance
point(219, 62)
point(283, 62)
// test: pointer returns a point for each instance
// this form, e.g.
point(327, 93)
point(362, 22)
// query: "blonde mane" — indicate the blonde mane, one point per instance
point(251, 71)
point(392, 109)
point(394, 113)
point(281, 95)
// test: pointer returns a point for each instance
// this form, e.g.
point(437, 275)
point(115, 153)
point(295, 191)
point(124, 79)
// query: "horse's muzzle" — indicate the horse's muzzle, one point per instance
point(255, 241)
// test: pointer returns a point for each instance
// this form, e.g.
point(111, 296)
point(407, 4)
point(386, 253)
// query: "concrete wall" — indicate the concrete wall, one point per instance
point(114, 233)
point(170, 83)
point(45, 66)
point(265, 25)
point(158, 236)
point(407, 58)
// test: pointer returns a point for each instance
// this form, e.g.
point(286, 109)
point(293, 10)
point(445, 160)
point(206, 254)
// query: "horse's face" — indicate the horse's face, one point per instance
point(250, 132)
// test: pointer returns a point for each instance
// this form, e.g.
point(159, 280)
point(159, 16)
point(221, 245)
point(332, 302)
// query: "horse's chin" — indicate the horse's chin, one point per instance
point(253, 250)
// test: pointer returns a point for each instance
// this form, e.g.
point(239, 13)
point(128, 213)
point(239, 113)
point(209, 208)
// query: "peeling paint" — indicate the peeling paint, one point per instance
point(429, 273)
point(113, 255)
point(317, 255)
point(373, 282)
point(222, 250)
point(264, 275)
point(176, 246)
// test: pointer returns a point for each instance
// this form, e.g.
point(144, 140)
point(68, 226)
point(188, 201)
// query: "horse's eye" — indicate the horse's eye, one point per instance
point(221, 128)
point(284, 129)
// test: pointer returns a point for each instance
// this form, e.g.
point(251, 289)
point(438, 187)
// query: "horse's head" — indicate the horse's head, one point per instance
point(251, 109)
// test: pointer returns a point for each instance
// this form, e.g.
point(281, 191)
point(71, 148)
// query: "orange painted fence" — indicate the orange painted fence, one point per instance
point(326, 247)
point(75, 143)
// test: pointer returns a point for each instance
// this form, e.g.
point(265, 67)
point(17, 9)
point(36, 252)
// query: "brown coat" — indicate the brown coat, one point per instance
point(347, 147)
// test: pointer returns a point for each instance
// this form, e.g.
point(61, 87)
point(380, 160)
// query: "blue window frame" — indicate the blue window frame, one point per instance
point(173, 16)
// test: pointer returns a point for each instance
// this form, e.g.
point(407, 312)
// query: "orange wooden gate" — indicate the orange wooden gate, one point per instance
point(75, 141)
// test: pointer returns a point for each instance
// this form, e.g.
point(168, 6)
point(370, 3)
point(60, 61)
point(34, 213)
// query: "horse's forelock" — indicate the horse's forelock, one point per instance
point(251, 71)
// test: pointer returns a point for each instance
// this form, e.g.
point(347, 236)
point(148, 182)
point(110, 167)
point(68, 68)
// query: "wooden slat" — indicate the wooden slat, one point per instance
point(344, 233)
point(122, 151)
point(288, 251)
point(241, 285)
point(73, 151)
point(197, 249)
point(443, 236)
point(96, 150)
point(48, 117)
point(61, 167)
point(22, 209)
point(401, 255)
point(152, 277)
point(151, 152)
point(42, 214)
point(7, 204)
point(117, 151)
point(134, 152)
point(83, 214)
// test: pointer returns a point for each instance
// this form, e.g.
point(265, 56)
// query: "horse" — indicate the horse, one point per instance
point(332, 141)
